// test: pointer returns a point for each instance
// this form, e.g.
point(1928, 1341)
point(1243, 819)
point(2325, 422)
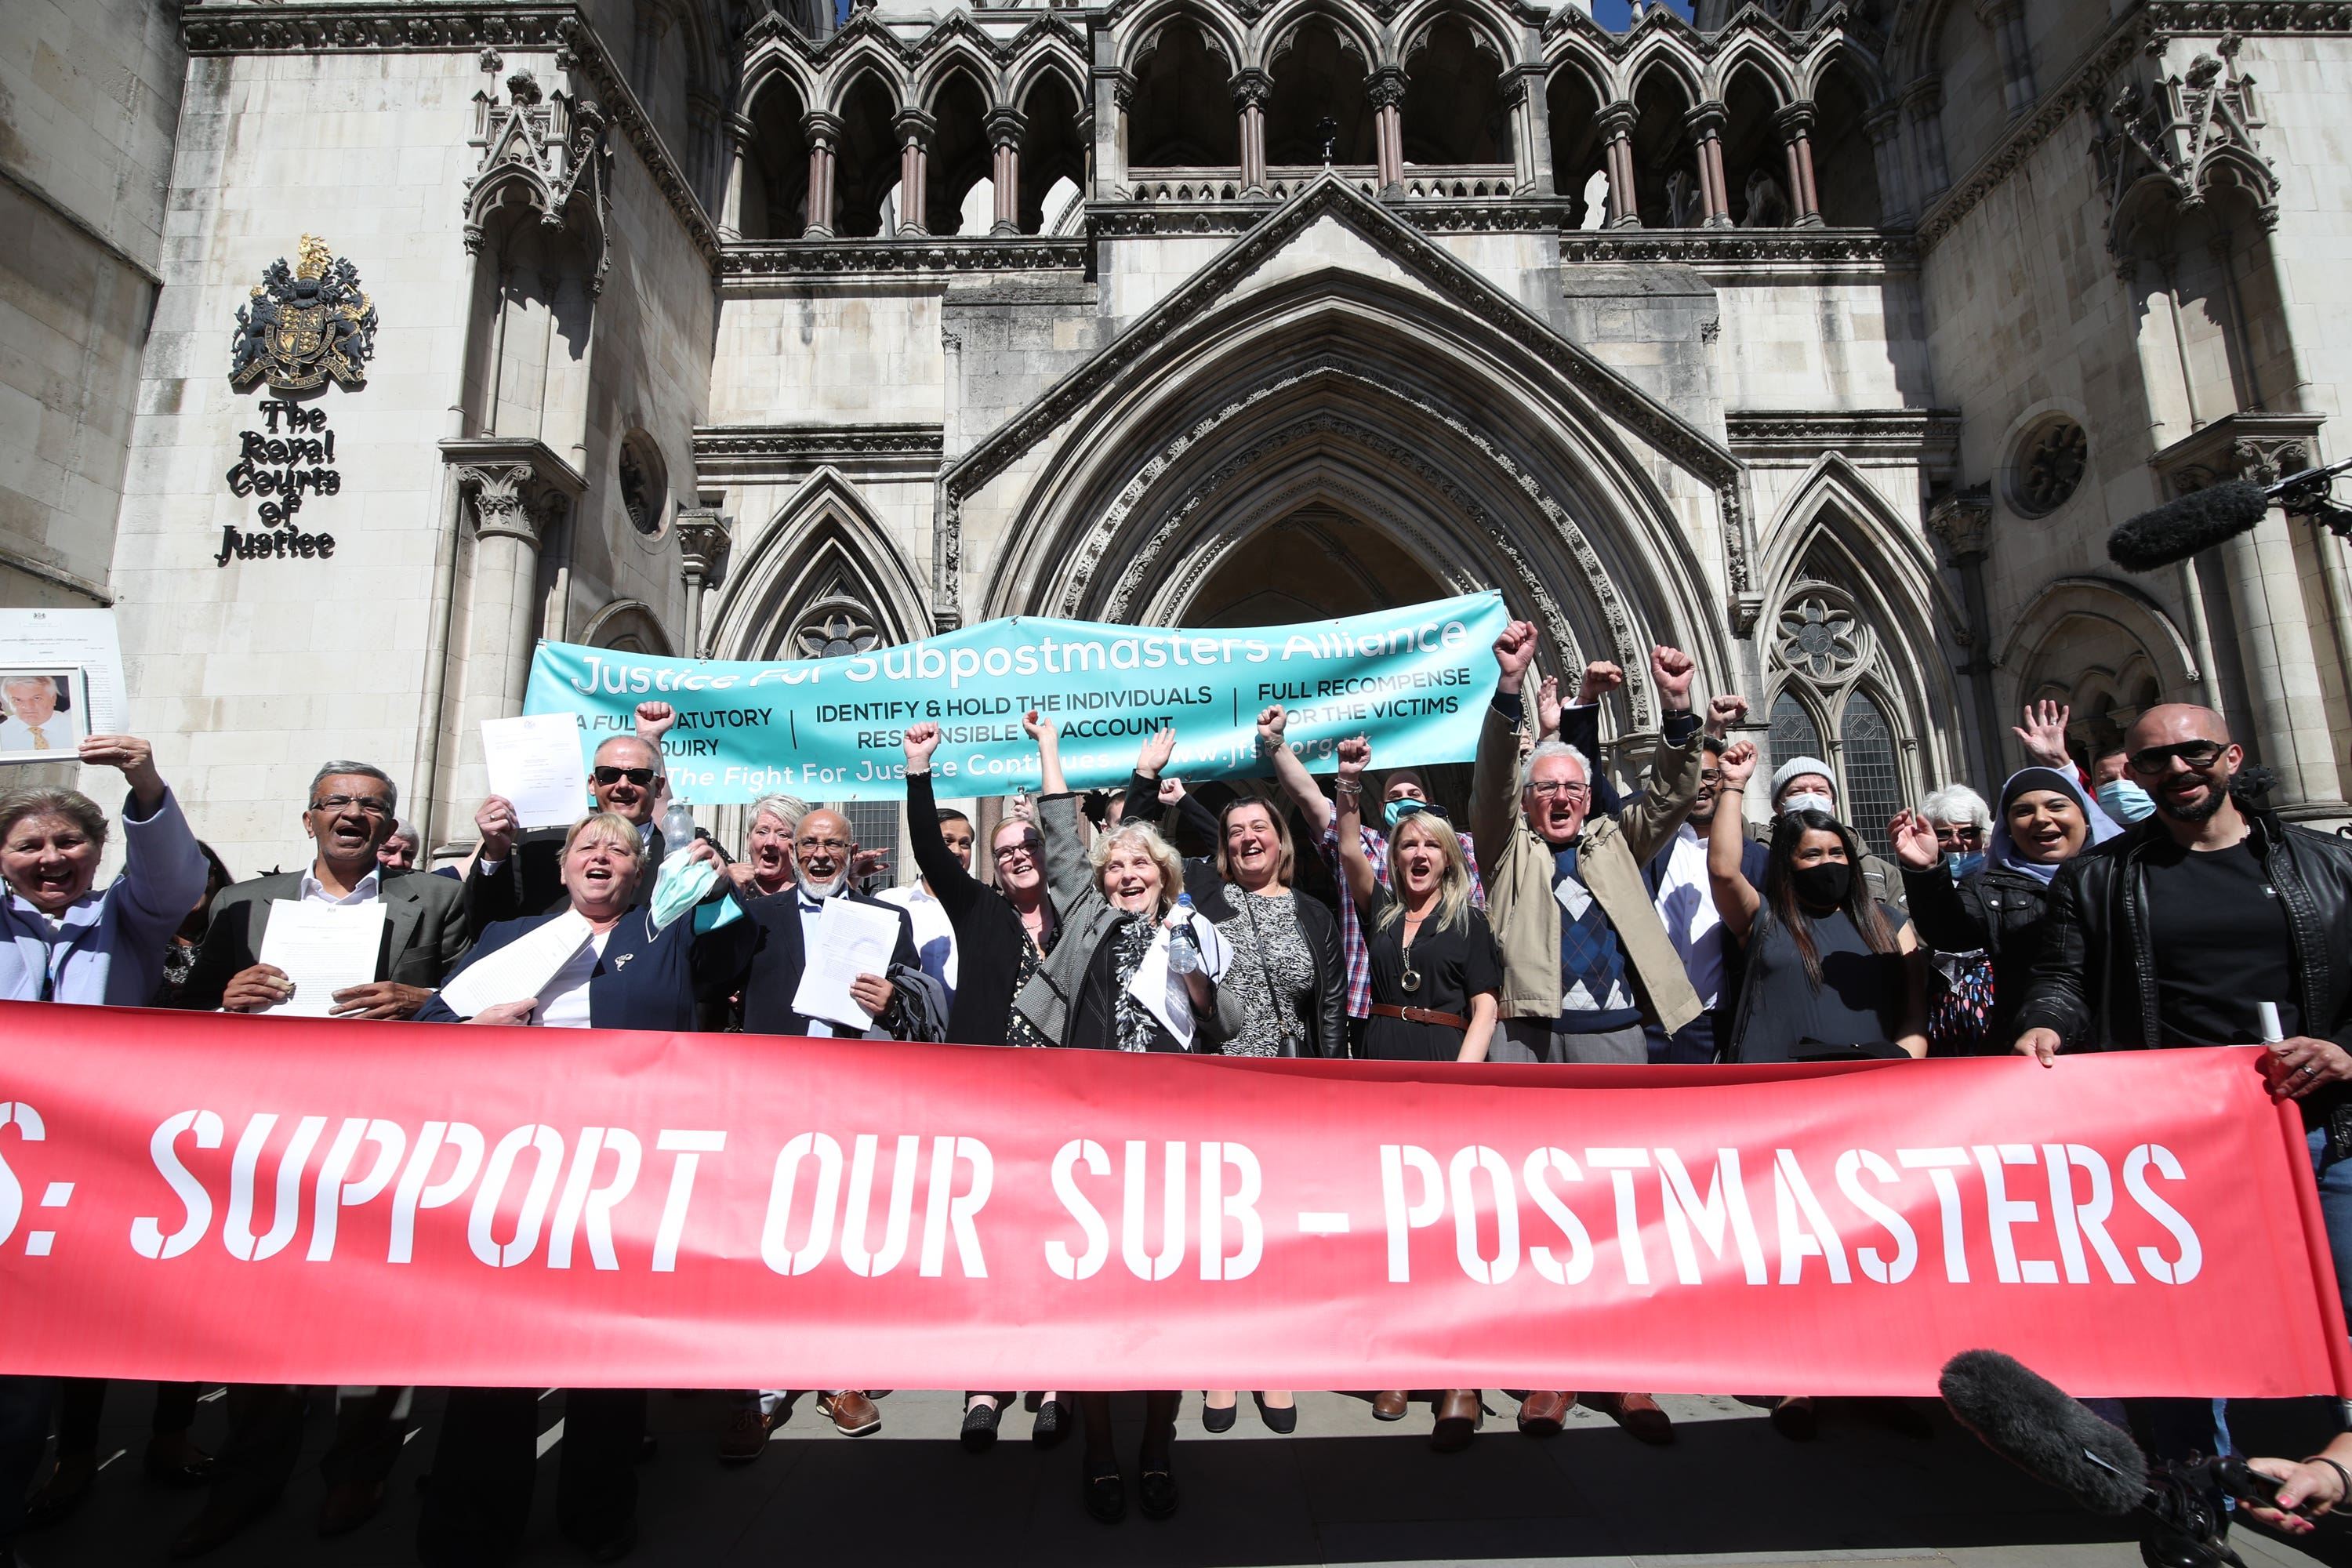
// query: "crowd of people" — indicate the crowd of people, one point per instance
point(2143, 898)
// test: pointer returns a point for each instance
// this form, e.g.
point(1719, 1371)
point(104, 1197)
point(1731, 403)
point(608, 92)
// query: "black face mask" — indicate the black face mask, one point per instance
point(1824, 886)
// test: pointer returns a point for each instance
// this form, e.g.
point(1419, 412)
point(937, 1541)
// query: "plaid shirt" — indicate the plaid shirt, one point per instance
point(1351, 929)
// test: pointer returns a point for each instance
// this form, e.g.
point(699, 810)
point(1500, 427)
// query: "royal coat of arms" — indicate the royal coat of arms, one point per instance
point(304, 325)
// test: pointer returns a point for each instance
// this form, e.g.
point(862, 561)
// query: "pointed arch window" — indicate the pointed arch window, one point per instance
point(1794, 733)
point(1832, 705)
point(1874, 783)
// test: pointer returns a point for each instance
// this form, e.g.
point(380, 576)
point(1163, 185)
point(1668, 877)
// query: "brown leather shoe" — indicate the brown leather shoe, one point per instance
point(1542, 1414)
point(1459, 1417)
point(1638, 1414)
point(350, 1504)
point(853, 1413)
point(746, 1438)
point(1389, 1404)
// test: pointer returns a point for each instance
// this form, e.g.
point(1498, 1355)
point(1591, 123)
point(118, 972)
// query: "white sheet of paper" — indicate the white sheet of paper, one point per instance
point(86, 638)
point(535, 762)
point(852, 939)
point(518, 970)
point(323, 949)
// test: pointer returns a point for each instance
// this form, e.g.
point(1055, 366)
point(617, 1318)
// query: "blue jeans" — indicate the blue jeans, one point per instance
point(2334, 1209)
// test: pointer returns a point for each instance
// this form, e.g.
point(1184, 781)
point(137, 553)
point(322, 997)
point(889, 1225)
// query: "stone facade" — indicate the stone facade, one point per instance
point(1827, 343)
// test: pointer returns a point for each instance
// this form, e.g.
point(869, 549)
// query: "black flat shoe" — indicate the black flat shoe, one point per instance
point(1215, 1420)
point(173, 1461)
point(1796, 1420)
point(1106, 1494)
point(1155, 1491)
point(66, 1490)
point(1282, 1419)
point(1052, 1424)
point(980, 1428)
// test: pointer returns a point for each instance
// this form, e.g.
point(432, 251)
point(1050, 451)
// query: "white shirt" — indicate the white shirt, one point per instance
point(1687, 909)
point(563, 1000)
point(935, 946)
point(812, 910)
point(363, 891)
point(56, 733)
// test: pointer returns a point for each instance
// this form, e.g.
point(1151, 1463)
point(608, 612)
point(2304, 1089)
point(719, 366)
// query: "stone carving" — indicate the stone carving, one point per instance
point(644, 482)
point(1963, 522)
point(1866, 251)
point(512, 500)
point(933, 252)
point(302, 327)
point(836, 628)
point(1767, 207)
point(1821, 638)
point(1685, 208)
point(2050, 467)
point(544, 152)
point(2175, 139)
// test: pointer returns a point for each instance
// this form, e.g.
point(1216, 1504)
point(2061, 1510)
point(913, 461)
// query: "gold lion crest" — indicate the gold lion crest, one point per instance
point(304, 325)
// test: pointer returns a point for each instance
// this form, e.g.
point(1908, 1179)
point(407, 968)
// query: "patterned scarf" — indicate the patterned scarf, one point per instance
point(1136, 1023)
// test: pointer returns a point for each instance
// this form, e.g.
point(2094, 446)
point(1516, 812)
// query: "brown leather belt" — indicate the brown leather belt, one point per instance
point(1421, 1015)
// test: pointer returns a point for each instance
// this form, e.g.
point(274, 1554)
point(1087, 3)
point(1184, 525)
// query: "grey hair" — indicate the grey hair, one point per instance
point(1956, 803)
point(406, 830)
point(364, 770)
point(787, 809)
point(70, 804)
point(1553, 749)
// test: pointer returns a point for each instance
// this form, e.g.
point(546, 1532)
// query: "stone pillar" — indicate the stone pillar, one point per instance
point(1884, 124)
point(1795, 124)
point(1112, 90)
point(702, 121)
point(1006, 125)
point(702, 536)
point(1385, 93)
point(1923, 104)
point(914, 128)
point(824, 133)
point(1706, 123)
point(1251, 89)
point(2005, 20)
point(1530, 131)
point(731, 204)
point(1615, 121)
point(1963, 522)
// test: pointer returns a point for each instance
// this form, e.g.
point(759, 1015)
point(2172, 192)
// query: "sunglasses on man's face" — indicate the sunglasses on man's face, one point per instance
point(2197, 755)
point(641, 777)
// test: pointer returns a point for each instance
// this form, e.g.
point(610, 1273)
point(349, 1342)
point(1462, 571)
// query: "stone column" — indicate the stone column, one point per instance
point(1251, 89)
point(1923, 104)
point(1615, 121)
point(1795, 124)
point(1112, 90)
point(1706, 123)
point(702, 536)
point(1530, 131)
point(1963, 522)
point(1884, 124)
point(731, 204)
point(914, 128)
point(1006, 125)
point(2005, 20)
point(824, 133)
point(1385, 93)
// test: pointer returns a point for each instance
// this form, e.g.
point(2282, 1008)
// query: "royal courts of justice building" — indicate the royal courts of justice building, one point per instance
point(1825, 339)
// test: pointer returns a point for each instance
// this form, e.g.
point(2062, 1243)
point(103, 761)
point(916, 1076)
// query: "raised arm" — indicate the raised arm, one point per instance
point(1048, 737)
point(1355, 757)
point(1943, 919)
point(1670, 782)
point(1289, 771)
point(1735, 900)
point(956, 888)
point(1495, 776)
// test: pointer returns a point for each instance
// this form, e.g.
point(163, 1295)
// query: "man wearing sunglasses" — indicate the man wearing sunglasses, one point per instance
point(518, 874)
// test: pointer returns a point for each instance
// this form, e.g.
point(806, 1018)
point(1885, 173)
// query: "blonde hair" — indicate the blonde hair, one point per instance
point(1164, 854)
point(1453, 883)
point(1283, 867)
point(614, 829)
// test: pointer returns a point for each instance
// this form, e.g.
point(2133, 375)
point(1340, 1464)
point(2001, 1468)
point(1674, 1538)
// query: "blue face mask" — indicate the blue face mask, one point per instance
point(1396, 810)
point(2125, 801)
point(1965, 865)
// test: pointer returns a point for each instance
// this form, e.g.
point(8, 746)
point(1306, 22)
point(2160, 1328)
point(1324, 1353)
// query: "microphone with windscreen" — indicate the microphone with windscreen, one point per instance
point(2178, 530)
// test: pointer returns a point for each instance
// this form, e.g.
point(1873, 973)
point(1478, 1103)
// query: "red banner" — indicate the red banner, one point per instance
point(309, 1201)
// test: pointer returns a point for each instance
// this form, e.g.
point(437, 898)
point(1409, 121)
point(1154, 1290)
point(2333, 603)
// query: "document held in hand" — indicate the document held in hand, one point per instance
point(852, 939)
point(518, 970)
point(323, 949)
point(534, 762)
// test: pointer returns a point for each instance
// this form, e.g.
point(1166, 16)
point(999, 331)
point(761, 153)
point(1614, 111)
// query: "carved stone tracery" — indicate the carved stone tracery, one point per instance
point(2170, 142)
point(547, 152)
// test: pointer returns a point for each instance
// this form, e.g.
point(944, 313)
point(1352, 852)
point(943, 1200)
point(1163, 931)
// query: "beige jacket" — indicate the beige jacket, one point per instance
point(1518, 864)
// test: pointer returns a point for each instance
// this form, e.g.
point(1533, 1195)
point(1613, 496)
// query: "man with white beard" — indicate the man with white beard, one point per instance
point(825, 846)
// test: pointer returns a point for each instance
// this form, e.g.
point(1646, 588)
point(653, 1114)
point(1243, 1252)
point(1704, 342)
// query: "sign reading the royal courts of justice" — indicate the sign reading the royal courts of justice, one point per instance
point(302, 327)
point(1415, 680)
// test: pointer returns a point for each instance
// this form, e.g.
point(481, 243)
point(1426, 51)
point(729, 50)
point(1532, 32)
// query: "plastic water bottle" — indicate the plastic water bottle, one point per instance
point(677, 825)
point(1183, 947)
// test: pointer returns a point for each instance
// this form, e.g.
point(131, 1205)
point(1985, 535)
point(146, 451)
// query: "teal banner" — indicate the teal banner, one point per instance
point(1416, 679)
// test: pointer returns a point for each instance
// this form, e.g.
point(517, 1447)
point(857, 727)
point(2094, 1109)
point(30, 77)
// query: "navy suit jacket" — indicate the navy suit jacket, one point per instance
point(780, 955)
point(645, 980)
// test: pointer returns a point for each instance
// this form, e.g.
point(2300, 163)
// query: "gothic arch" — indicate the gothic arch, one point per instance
point(864, 58)
point(1488, 33)
point(772, 60)
point(1750, 53)
point(1144, 30)
point(1039, 66)
point(824, 549)
point(1273, 33)
point(2087, 640)
point(958, 56)
point(1660, 51)
point(630, 624)
point(1863, 67)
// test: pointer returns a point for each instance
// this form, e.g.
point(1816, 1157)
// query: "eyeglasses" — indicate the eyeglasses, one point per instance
point(1965, 834)
point(2197, 755)
point(1028, 846)
point(1566, 789)
point(641, 777)
point(823, 847)
point(370, 804)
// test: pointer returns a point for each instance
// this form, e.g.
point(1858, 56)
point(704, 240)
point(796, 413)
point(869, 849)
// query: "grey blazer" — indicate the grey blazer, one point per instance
point(424, 932)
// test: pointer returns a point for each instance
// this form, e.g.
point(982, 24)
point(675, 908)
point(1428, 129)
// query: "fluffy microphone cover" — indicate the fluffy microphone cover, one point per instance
point(2179, 529)
point(2031, 1423)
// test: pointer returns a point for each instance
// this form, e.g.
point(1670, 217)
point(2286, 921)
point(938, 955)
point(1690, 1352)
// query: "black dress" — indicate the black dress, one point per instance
point(1454, 965)
point(1858, 1009)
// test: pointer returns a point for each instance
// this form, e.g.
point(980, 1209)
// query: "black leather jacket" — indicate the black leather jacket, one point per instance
point(2000, 912)
point(2095, 983)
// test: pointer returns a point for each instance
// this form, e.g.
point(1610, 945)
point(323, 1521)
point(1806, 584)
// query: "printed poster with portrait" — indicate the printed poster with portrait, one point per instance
point(43, 712)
